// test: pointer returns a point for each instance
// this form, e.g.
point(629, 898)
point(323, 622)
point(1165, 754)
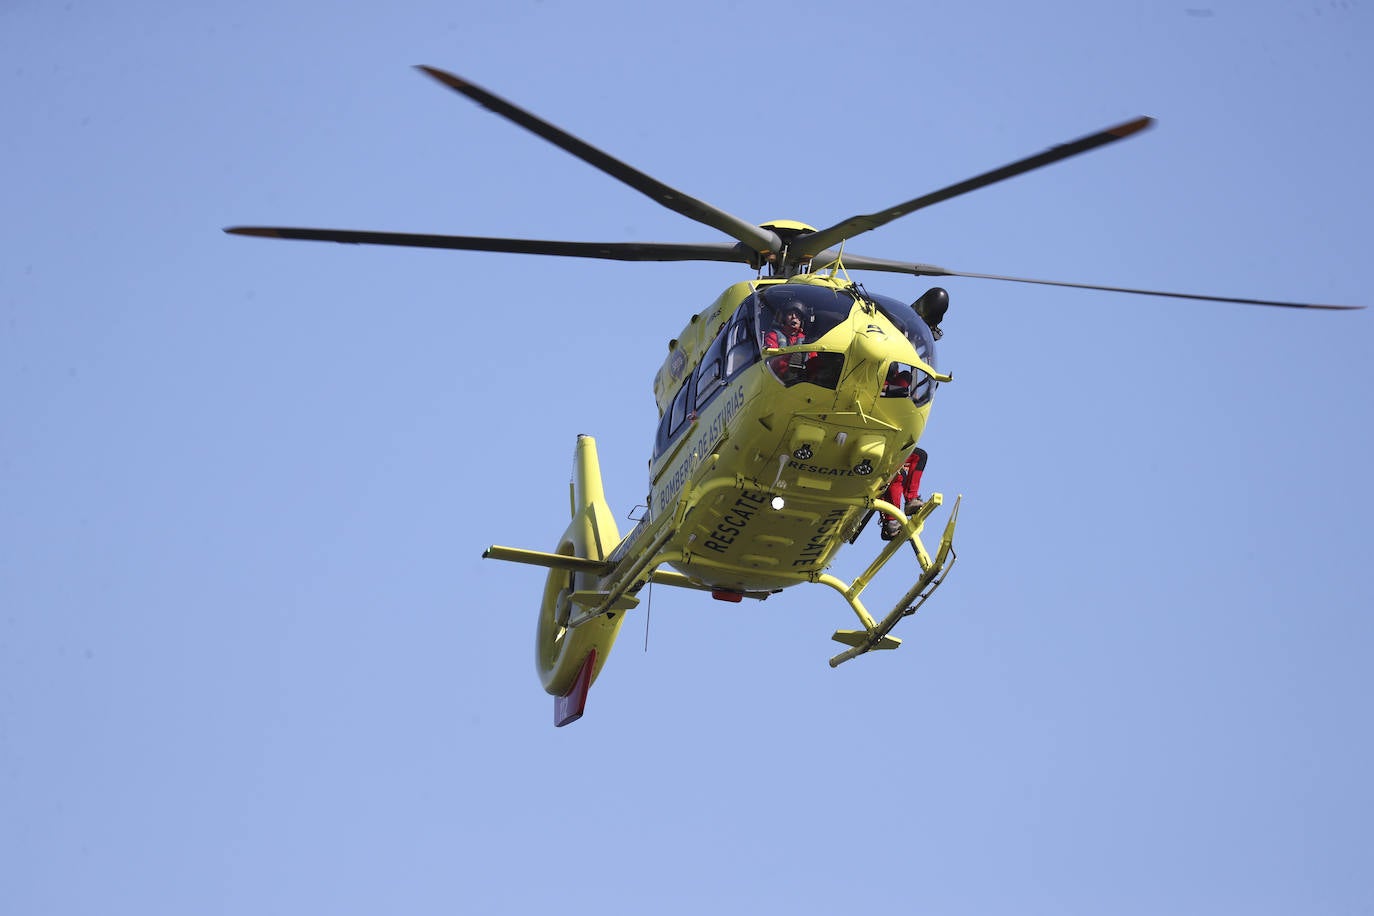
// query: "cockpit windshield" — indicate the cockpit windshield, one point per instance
point(789, 315)
point(795, 313)
point(910, 324)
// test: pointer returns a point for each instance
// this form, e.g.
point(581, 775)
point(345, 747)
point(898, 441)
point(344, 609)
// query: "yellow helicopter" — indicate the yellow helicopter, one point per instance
point(788, 408)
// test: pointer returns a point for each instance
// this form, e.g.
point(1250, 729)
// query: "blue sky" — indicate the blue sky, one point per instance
point(251, 661)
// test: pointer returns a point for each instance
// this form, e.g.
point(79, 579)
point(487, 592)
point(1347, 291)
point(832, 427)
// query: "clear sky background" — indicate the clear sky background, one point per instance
point(252, 663)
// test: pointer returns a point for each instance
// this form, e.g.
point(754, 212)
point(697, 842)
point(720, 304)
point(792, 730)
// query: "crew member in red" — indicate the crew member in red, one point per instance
point(904, 489)
point(790, 332)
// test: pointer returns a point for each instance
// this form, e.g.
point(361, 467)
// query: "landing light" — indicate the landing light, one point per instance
point(777, 502)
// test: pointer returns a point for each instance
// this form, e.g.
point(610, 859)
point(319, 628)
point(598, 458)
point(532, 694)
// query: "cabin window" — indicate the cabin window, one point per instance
point(709, 381)
point(678, 413)
point(741, 351)
point(733, 351)
point(673, 419)
point(661, 437)
point(710, 377)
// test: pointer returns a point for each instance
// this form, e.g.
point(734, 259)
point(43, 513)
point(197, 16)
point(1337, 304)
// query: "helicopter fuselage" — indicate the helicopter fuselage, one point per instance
point(767, 453)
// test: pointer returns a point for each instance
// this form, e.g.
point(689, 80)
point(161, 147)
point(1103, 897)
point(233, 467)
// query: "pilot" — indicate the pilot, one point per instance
point(791, 331)
point(904, 488)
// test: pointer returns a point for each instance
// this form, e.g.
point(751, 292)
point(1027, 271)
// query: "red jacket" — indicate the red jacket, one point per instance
point(775, 339)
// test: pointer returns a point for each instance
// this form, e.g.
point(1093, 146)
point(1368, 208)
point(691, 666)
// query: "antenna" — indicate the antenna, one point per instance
point(648, 611)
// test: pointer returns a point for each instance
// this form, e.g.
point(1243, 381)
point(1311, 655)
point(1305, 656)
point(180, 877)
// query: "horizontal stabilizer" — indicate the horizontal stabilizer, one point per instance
point(592, 599)
point(547, 560)
point(857, 638)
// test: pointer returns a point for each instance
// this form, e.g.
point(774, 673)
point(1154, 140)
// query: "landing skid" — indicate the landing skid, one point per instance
point(874, 635)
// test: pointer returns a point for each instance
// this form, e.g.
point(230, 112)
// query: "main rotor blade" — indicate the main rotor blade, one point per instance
point(819, 241)
point(854, 262)
point(758, 240)
point(611, 251)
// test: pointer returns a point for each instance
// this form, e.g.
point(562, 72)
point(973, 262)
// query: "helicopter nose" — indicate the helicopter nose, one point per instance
point(872, 344)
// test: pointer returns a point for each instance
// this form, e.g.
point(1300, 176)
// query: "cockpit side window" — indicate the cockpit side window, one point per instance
point(904, 381)
point(922, 386)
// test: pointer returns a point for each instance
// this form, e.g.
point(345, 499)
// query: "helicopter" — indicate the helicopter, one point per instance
point(774, 449)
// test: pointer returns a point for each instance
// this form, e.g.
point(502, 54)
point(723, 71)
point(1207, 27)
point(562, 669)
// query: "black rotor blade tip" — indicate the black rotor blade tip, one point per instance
point(443, 76)
point(1131, 127)
point(260, 231)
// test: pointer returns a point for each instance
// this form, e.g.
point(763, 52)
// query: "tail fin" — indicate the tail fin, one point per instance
point(560, 652)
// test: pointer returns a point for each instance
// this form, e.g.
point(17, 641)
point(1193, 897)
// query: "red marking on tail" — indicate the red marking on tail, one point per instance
point(570, 706)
